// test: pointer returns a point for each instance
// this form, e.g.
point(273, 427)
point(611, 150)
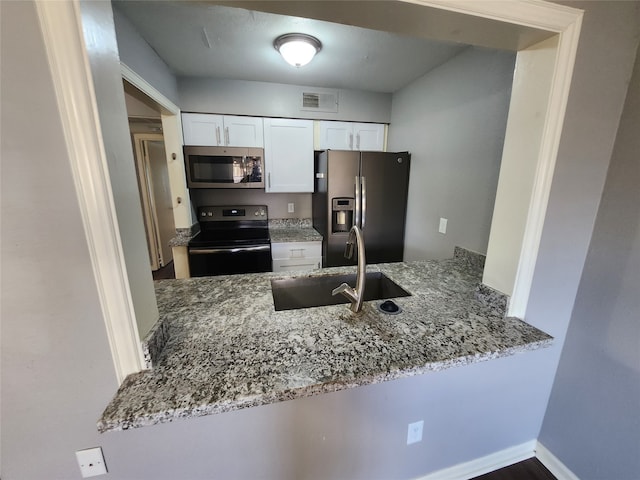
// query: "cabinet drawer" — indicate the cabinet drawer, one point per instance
point(287, 265)
point(293, 250)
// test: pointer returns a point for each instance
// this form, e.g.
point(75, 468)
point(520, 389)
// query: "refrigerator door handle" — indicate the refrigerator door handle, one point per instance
point(356, 217)
point(363, 192)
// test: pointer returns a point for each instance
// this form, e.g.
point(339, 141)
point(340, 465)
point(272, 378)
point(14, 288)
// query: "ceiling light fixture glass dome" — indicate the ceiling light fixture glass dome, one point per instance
point(297, 49)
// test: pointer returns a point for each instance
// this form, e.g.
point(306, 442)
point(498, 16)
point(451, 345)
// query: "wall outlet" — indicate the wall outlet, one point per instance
point(414, 432)
point(91, 462)
point(443, 225)
point(291, 207)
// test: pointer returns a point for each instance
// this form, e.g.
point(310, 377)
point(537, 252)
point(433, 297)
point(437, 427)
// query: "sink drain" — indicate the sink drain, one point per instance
point(389, 307)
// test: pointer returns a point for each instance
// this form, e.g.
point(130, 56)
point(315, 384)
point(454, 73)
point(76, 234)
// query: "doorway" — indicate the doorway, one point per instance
point(68, 56)
point(145, 128)
point(155, 197)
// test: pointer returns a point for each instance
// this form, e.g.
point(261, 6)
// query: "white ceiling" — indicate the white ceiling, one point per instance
point(196, 39)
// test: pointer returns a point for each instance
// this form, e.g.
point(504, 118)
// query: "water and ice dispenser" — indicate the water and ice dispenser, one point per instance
point(341, 214)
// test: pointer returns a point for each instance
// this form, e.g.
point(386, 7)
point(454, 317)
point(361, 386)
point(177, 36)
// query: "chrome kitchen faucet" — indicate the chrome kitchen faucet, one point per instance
point(356, 296)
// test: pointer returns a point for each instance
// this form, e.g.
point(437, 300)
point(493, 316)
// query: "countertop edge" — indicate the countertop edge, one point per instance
point(170, 415)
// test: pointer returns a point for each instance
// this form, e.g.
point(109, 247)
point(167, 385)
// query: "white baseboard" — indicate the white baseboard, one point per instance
point(489, 463)
point(555, 466)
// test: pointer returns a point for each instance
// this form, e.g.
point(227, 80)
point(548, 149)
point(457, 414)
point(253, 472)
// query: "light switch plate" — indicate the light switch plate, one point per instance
point(291, 207)
point(91, 462)
point(414, 432)
point(443, 225)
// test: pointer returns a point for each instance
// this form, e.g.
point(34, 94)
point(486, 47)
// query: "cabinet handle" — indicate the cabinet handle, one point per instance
point(351, 141)
point(226, 135)
point(269, 179)
point(218, 135)
point(358, 140)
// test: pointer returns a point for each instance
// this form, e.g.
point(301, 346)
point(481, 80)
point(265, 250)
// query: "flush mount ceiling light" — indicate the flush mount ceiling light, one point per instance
point(297, 48)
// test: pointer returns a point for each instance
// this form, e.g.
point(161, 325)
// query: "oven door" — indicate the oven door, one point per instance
point(228, 260)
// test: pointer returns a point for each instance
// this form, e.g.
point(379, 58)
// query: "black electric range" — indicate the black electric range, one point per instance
point(233, 239)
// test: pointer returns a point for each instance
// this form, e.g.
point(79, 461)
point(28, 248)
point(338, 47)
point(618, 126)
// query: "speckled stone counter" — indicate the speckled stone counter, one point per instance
point(183, 235)
point(228, 348)
point(283, 230)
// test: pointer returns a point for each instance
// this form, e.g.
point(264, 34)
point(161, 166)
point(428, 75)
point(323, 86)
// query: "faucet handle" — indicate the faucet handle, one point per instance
point(344, 289)
point(340, 289)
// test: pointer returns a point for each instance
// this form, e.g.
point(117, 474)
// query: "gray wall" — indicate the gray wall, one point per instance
point(104, 59)
point(57, 373)
point(604, 62)
point(57, 370)
point(136, 53)
point(453, 120)
point(276, 202)
point(592, 423)
point(209, 95)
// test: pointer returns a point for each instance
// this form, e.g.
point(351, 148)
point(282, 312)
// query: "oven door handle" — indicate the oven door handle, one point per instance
point(207, 251)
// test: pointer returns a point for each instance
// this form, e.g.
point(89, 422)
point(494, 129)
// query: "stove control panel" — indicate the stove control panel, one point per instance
point(232, 213)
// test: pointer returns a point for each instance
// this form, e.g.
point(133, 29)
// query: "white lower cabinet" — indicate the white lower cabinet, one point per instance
point(296, 256)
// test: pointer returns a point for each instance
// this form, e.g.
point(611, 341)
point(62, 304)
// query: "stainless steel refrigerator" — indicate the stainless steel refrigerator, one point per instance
point(368, 189)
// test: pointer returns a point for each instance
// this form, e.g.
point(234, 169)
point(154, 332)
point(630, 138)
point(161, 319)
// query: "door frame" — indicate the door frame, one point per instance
point(61, 26)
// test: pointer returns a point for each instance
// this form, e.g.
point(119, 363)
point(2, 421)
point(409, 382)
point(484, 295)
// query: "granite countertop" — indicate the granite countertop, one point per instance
point(227, 348)
point(183, 235)
point(283, 230)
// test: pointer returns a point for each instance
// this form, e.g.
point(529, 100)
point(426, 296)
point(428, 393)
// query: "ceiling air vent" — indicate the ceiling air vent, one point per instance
point(320, 101)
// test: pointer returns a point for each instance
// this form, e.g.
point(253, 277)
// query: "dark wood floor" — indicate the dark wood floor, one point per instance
point(530, 469)
point(164, 273)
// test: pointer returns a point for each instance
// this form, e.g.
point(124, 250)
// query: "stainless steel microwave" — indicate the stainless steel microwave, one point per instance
point(224, 167)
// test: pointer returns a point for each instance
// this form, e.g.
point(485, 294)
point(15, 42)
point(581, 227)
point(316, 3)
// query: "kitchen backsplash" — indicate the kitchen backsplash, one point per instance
point(277, 203)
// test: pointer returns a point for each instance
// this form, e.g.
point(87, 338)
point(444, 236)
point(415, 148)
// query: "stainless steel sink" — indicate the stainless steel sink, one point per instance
point(305, 292)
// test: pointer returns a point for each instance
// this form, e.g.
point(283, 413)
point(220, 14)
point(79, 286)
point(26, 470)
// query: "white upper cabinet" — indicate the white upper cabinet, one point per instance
point(368, 136)
point(243, 131)
point(202, 129)
point(288, 155)
point(336, 136)
point(351, 136)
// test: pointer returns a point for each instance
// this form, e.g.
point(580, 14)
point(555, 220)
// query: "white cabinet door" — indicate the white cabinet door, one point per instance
point(243, 131)
point(204, 129)
point(288, 155)
point(296, 256)
point(351, 136)
point(336, 135)
point(368, 136)
point(295, 265)
point(201, 129)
